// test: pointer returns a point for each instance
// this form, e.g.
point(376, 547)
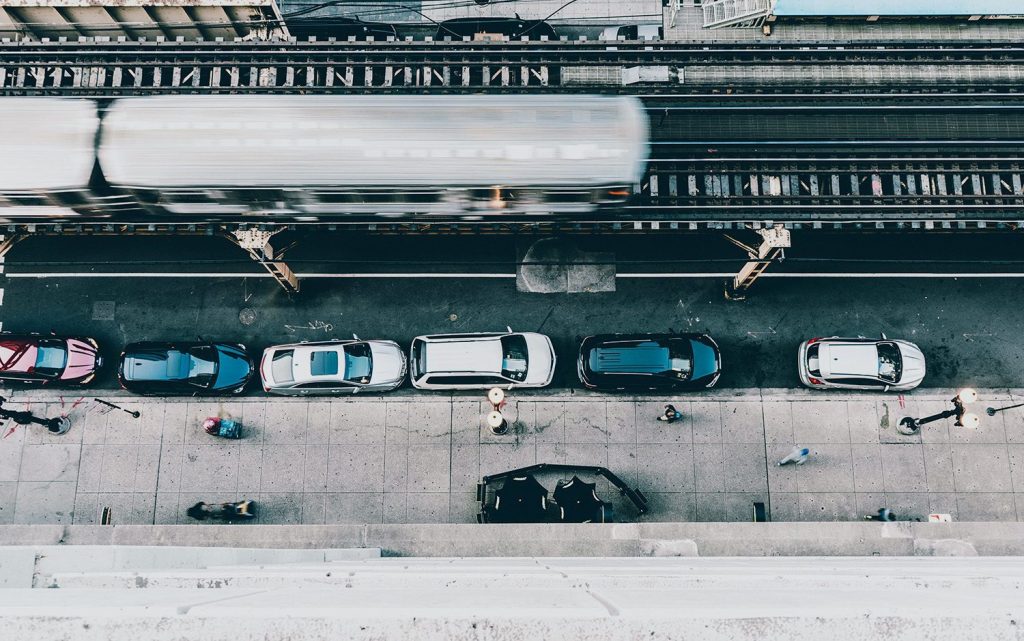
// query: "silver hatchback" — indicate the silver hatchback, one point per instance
point(332, 367)
point(867, 364)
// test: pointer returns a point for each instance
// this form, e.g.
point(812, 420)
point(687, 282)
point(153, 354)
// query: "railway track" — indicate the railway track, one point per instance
point(139, 68)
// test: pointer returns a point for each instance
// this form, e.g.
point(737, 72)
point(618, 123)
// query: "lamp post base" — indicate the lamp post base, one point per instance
point(59, 425)
point(908, 426)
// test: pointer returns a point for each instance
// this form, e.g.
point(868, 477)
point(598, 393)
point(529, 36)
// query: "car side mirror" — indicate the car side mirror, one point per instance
point(886, 387)
point(884, 337)
point(355, 337)
point(509, 328)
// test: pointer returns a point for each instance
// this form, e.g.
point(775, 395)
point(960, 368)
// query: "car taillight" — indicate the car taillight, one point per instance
point(814, 340)
point(814, 381)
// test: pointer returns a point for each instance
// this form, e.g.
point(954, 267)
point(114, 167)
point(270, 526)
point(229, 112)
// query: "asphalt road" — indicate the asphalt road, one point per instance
point(968, 327)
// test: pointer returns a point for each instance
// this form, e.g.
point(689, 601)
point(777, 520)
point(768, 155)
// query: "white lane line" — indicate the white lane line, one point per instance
point(828, 275)
point(466, 275)
point(245, 275)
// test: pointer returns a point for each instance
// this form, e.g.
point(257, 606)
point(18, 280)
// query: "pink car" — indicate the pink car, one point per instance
point(48, 359)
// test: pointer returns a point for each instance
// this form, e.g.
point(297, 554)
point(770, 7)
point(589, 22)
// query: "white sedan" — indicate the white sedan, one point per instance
point(866, 364)
point(333, 367)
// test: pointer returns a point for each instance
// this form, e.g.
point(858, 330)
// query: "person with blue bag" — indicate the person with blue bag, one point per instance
point(222, 427)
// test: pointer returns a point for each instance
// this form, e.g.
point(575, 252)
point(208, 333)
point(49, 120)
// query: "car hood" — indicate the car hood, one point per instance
point(540, 359)
point(388, 362)
point(913, 364)
point(705, 363)
point(234, 367)
point(82, 359)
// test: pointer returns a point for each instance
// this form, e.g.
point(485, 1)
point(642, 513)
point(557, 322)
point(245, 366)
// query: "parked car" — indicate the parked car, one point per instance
point(474, 361)
point(39, 359)
point(633, 32)
point(333, 367)
point(639, 362)
point(185, 368)
point(340, 28)
point(860, 363)
point(482, 28)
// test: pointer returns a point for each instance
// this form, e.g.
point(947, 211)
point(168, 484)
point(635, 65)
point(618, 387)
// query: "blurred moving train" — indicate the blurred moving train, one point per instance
point(317, 158)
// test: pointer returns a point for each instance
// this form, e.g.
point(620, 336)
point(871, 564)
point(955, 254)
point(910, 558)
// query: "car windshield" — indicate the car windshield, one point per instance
point(514, 356)
point(51, 357)
point(513, 359)
point(201, 365)
point(358, 363)
point(890, 363)
point(680, 358)
point(281, 366)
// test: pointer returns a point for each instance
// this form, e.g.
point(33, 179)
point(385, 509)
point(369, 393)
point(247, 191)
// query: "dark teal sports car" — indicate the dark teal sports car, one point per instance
point(185, 368)
point(642, 362)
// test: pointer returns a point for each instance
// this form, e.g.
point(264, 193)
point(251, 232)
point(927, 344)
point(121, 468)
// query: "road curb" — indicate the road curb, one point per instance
point(412, 396)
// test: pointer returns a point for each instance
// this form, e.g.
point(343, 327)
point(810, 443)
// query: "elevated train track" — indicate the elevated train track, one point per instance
point(933, 149)
point(147, 67)
point(716, 165)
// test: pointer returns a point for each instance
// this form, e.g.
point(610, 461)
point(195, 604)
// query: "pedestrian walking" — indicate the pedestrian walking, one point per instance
point(884, 514)
point(798, 455)
point(671, 414)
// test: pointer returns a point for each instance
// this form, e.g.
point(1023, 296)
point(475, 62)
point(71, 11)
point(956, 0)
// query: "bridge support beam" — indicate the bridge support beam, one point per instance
point(257, 243)
point(774, 241)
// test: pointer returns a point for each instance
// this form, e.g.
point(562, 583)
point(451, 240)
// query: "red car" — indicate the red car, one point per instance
point(48, 359)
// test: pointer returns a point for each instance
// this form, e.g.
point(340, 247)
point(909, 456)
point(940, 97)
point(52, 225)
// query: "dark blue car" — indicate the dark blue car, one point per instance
point(185, 368)
point(642, 362)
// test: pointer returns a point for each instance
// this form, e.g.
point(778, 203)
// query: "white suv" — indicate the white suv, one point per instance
point(475, 361)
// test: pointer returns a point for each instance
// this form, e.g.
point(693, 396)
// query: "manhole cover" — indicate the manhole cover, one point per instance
point(247, 316)
point(103, 310)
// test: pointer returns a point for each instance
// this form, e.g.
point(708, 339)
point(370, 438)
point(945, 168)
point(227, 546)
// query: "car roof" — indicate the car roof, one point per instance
point(646, 357)
point(168, 364)
point(318, 362)
point(477, 354)
point(853, 359)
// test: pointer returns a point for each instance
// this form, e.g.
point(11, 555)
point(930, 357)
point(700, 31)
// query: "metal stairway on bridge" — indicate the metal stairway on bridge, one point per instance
point(735, 13)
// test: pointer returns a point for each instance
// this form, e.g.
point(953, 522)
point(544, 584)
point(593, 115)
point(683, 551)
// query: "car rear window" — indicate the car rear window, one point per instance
point(281, 366)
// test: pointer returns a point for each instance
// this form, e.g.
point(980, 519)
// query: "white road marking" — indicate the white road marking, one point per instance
point(245, 275)
point(498, 276)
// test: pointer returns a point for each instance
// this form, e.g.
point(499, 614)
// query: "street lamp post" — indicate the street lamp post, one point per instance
point(495, 419)
point(910, 425)
point(991, 411)
point(57, 424)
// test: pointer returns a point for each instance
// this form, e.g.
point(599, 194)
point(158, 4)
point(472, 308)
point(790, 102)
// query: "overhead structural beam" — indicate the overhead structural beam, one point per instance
point(774, 241)
point(257, 243)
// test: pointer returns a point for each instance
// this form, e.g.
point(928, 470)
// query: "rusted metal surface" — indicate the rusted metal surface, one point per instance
point(168, 19)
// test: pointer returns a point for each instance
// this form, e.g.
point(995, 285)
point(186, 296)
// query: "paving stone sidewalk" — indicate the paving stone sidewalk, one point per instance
point(417, 458)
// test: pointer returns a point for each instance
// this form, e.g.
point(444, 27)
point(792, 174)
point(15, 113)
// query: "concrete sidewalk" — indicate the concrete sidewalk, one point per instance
point(416, 458)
